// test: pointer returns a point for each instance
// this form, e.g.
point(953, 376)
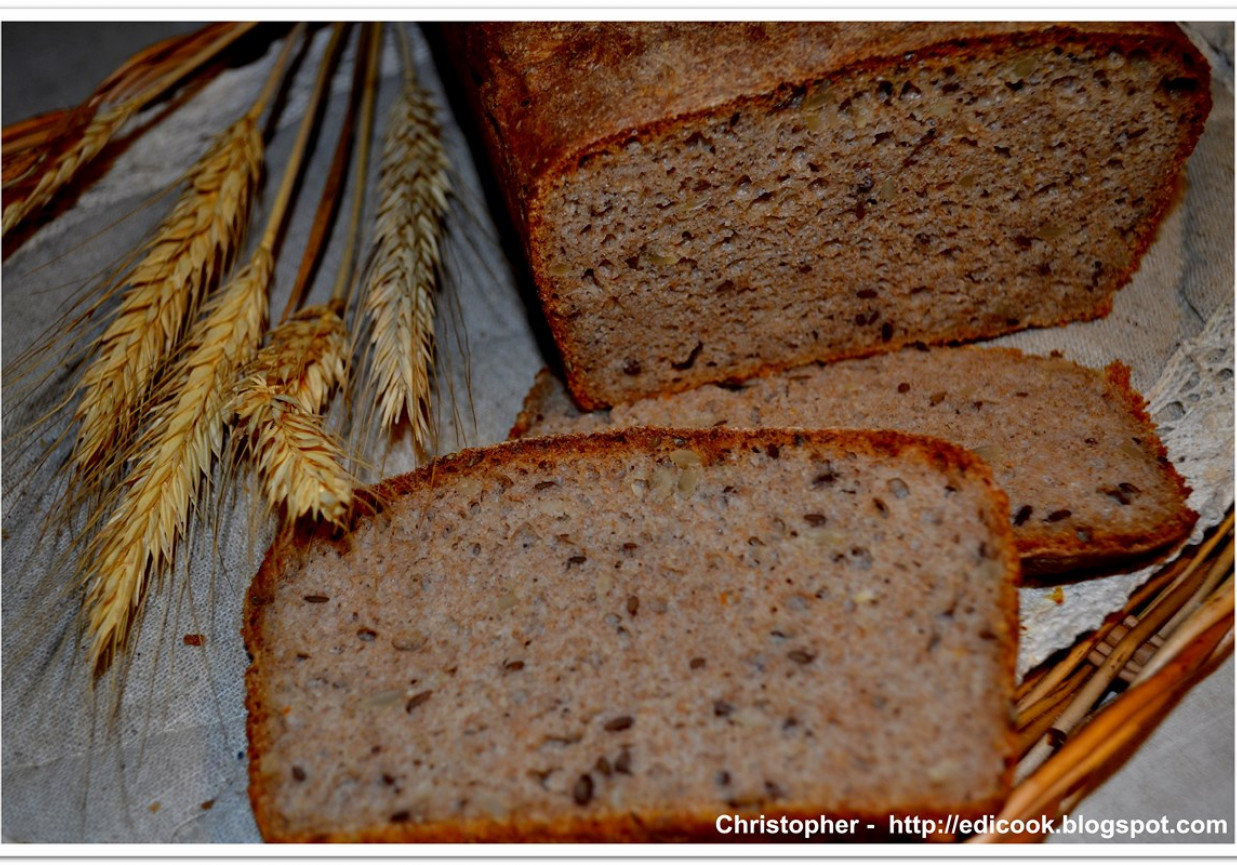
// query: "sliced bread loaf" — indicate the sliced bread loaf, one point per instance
point(1088, 480)
point(701, 201)
point(626, 636)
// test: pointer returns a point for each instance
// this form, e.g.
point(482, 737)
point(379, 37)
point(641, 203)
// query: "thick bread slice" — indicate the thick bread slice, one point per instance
point(622, 637)
point(1089, 483)
point(703, 201)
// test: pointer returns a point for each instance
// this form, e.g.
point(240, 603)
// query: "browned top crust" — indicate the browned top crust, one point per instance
point(632, 76)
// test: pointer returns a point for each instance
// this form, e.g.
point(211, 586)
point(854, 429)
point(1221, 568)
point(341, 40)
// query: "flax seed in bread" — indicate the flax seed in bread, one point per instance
point(624, 636)
point(704, 201)
point(1089, 483)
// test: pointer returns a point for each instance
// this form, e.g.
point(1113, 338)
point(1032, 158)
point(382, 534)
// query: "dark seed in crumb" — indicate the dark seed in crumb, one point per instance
point(722, 709)
point(387, 779)
point(824, 478)
point(545, 485)
point(886, 332)
point(576, 560)
point(1128, 488)
point(633, 605)
point(367, 634)
point(904, 387)
point(631, 367)
point(316, 599)
point(814, 520)
point(400, 817)
point(801, 657)
point(513, 666)
point(697, 663)
point(723, 778)
point(629, 546)
point(1022, 393)
point(880, 505)
point(603, 766)
point(1118, 494)
point(1057, 515)
point(582, 792)
point(623, 722)
point(1024, 514)
point(298, 773)
point(1091, 441)
point(937, 398)
point(194, 639)
point(417, 700)
point(773, 451)
point(208, 804)
point(623, 764)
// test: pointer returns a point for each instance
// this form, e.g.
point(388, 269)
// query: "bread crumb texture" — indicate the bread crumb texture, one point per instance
point(622, 636)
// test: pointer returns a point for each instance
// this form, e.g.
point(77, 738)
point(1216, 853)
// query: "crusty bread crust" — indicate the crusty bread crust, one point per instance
point(291, 549)
point(653, 79)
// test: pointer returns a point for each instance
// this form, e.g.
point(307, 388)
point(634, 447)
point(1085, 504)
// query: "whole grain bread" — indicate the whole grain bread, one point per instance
point(705, 201)
point(625, 636)
point(1089, 482)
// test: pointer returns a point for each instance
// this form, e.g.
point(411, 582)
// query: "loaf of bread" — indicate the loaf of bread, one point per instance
point(627, 636)
point(701, 201)
point(1089, 483)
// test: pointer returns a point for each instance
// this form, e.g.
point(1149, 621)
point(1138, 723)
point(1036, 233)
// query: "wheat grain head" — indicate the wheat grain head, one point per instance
point(400, 284)
point(278, 405)
point(299, 463)
point(185, 259)
point(306, 356)
point(173, 458)
point(101, 129)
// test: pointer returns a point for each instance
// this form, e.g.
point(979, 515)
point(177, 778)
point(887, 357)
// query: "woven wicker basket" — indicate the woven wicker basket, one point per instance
point(1084, 712)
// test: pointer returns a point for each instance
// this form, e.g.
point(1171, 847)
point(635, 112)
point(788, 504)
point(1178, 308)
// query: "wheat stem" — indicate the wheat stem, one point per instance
point(402, 280)
point(287, 186)
point(343, 276)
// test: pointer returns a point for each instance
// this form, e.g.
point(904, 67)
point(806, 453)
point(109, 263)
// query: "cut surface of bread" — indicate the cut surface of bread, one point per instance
point(1088, 480)
point(703, 201)
point(625, 636)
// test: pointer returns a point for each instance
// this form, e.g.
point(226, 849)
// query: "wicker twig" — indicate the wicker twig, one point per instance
point(1171, 634)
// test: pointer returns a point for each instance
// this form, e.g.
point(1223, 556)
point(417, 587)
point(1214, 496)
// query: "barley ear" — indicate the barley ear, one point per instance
point(184, 261)
point(173, 459)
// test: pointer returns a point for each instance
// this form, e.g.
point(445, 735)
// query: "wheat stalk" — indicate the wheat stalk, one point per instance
point(399, 289)
point(191, 249)
point(140, 537)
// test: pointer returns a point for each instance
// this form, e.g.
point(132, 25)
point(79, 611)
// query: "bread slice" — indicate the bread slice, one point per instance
point(703, 201)
point(624, 636)
point(1089, 483)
